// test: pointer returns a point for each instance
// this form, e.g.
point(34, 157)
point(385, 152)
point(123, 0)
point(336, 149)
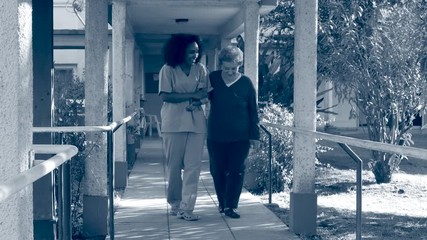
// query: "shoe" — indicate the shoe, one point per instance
point(174, 211)
point(231, 212)
point(221, 209)
point(187, 216)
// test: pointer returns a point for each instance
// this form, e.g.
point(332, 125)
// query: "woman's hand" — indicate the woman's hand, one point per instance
point(255, 144)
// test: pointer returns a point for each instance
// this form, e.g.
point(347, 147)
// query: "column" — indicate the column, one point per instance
point(142, 78)
point(129, 80)
point(303, 201)
point(119, 111)
point(212, 60)
point(251, 42)
point(136, 96)
point(16, 117)
point(44, 227)
point(130, 107)
point(95, 199)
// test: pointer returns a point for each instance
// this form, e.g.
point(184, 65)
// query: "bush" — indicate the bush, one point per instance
point(282, 153)
point(69, 111)
point(257, 179)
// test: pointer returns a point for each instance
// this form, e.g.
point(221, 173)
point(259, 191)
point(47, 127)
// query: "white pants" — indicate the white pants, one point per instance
point(183, 151)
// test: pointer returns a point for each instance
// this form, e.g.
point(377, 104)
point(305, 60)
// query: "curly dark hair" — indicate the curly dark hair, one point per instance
point(175, 47)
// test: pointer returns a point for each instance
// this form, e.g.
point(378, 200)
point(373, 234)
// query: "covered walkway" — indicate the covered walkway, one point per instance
point(142, 211)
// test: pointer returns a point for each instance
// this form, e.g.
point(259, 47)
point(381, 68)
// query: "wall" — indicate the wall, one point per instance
point(153, 103)
point(64, 16)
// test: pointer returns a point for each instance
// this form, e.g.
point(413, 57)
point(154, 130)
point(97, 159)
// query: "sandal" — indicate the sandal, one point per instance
point(187, 216)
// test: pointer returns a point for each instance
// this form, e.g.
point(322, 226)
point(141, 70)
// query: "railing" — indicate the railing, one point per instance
point(269, 161)
point(22, 180)
point(344, 142)
point(60, 161)
point(110, 129)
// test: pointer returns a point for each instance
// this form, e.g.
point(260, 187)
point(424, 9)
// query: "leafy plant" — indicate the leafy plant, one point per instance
point(373, 52)
point(282, 152)
point(69, 111)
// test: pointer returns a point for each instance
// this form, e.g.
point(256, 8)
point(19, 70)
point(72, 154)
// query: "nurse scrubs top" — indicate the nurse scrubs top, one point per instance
point(174, 116)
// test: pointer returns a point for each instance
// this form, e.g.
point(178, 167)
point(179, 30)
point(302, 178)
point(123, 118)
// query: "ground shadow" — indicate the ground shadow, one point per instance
point(341, 224)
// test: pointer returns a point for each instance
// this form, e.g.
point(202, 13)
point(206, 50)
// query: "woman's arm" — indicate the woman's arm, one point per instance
point(254, 133)
point(174, 97)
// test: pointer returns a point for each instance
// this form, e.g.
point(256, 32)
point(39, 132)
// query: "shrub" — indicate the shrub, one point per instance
point(282, 152)
point(69, 111)
point(257, 179)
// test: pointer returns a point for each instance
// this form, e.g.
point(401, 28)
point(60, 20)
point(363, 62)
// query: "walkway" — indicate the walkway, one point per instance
point(142, 212)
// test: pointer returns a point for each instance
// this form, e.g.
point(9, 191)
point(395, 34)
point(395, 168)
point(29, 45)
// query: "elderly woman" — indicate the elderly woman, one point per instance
point(233, 126)
point(183, 86)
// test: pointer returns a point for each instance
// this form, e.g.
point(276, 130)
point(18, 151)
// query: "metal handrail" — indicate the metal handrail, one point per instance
point(359, 162)
point(63, 153)
point(343, 142)
point(269, 161)
point(109, 129)
point(362, 143)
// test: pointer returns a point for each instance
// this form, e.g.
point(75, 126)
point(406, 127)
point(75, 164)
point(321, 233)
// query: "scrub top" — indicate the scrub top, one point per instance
point(174, 116)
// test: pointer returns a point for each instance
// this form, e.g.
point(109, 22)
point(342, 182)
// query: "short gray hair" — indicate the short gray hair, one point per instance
point(230, 53)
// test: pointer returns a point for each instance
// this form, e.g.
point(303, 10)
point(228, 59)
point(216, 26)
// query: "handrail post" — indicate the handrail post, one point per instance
point(60, 194)
point(60, 199)
point(66, 176)
point(64, 201)
point(110, 172)
point(269, 163)
point(359, 162)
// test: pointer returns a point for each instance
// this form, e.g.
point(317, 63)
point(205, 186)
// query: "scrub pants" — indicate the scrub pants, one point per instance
point(227, 167)
point(183, 151)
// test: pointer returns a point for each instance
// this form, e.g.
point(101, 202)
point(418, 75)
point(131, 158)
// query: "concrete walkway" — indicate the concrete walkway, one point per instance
point(142, 212)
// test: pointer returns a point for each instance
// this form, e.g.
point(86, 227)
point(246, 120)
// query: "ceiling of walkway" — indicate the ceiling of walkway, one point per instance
point(153, 21)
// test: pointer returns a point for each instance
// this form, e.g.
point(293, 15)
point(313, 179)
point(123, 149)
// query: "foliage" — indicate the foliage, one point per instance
point(282, 151)
point(69, 110)
point(281, 155)
point(276, 67)
point(277, 55)
point(375, 45)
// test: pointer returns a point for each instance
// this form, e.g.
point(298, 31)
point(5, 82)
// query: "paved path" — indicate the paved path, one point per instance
point(142, 212)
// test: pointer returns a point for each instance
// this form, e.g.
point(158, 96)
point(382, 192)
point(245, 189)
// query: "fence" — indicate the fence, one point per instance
point(343, 142)
point(110, 129)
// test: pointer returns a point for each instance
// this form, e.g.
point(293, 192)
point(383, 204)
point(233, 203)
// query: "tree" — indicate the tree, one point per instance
point(372, 51)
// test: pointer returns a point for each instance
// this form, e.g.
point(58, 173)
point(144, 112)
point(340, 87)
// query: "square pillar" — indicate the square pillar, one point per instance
point(16, 98)
point(303, 190)
point(119, 94)
point(95, 199)
point(251, 56)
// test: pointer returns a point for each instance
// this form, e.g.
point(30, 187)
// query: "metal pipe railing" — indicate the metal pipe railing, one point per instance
point(109, 129)
point(62, 154)
point(343, 142)
point(362, 143)
point(269, 162)
point(359, 162)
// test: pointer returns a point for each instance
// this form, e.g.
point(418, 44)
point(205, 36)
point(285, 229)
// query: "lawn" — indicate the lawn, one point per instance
point(397, 210)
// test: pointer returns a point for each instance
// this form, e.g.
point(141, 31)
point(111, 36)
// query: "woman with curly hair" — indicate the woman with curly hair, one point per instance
point(183, 88)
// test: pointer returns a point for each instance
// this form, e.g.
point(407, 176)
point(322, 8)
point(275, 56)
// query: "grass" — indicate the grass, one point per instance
point(396, 210)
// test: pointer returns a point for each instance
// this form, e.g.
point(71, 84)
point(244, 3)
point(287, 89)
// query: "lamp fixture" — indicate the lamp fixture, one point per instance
point(181, 20)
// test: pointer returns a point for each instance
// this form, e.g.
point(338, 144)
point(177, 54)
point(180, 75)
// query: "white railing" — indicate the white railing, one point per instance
point(62, 153)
